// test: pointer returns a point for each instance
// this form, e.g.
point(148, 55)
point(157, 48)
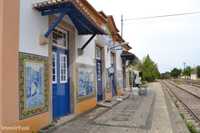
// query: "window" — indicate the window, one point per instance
point(63, 68)
point(98, 53)
point(60, 38)
point(54, 68)
point(112, 59)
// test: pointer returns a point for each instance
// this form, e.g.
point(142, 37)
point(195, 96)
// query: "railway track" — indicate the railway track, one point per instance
point(188, 88)
point(193, 88)
point(187, 103)
point(190, 82)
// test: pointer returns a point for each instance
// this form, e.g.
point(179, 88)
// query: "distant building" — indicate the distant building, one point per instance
point(194, 75)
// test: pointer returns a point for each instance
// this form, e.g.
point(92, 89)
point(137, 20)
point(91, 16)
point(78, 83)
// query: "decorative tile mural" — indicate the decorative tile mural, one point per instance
point(86, 81)
point(34, 85)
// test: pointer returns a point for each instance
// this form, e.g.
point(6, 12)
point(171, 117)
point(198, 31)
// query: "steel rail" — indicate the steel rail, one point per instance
point(190, 82)
point(174, 84)
point(185, 105)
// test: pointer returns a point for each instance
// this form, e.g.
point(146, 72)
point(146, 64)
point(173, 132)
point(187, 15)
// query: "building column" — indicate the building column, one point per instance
point(124, 72)
point(9, 43)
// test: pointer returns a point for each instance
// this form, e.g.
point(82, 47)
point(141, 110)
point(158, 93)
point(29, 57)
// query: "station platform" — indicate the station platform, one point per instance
point(152, 113)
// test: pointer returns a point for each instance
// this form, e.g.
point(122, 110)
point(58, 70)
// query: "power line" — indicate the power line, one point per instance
point(155, 17)
point(163, 16)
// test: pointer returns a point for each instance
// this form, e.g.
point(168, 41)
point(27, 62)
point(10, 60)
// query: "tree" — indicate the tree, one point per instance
point(175, 73)
point(165, 75)
point(187, 71)
point(198, 71)
point(149, 69)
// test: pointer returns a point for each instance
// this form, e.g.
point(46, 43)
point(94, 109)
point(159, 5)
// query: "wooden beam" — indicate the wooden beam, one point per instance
point(54, 24)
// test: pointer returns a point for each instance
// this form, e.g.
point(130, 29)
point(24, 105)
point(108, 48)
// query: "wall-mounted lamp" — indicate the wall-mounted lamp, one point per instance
point(120, 45)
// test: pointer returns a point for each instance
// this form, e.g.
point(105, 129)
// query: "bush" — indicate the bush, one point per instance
point(191, 127)
point(198, 71)
point(175, 73)
point(182, 115)
point(149, 69)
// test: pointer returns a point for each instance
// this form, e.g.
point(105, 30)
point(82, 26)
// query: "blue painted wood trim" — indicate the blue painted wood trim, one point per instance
point(80, 22)
point(54, 24)
point(54, 11)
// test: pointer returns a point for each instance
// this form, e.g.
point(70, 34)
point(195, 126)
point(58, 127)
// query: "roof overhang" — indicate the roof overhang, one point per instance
point(82, 21)
point(112, 24)
point(119, 38)
point(128, 56)
point(127, 46)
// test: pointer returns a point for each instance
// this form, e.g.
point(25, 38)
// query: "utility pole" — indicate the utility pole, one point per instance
point(122, 25)
point(184, 66)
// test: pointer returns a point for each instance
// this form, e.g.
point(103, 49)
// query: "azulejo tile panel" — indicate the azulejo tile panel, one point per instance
point(86, 81)
point(33, 85)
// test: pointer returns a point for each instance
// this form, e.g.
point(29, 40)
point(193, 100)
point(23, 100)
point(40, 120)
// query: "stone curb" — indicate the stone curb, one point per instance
point(177, 123)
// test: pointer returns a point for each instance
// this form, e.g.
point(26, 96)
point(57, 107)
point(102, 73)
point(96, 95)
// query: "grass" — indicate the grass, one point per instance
point(191, 127)
point(189, 124)
point(182, 115)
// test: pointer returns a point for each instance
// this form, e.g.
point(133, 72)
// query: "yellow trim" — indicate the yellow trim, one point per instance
point(86, 105)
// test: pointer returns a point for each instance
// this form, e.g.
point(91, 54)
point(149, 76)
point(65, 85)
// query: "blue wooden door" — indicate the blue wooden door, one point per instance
point(99, 80)
point(60, 78)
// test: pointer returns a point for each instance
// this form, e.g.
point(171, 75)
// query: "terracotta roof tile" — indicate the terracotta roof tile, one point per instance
point(82, 5)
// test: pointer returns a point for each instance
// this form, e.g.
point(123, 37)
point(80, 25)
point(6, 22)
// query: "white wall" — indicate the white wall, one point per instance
point(32, 25)
point(107, 57)
point(103, 40)
point(194, 76)
point(88, 56)
point(118, 57)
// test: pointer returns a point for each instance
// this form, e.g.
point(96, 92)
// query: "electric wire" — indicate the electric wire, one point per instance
point(163, 16)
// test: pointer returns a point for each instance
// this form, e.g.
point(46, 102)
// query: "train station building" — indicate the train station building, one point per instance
point(57, 58)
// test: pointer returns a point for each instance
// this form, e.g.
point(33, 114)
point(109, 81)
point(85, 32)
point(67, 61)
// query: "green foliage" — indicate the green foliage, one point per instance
point(149, 69)
point(191, 127)
point(198, 71)
point(165, 75)
point(183, 116)
point(175, 73)
point(187, 71)
point(130, 78)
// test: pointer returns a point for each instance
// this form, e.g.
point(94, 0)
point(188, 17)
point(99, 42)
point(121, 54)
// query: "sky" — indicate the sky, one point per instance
point(169, 41)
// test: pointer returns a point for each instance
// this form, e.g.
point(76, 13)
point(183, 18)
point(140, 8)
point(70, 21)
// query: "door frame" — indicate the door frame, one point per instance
point(113, 56)
point(66, 26)
point(63, 51)
point(103, 69)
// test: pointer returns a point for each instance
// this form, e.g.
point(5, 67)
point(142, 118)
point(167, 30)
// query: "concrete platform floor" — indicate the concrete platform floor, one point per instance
point(137, 114)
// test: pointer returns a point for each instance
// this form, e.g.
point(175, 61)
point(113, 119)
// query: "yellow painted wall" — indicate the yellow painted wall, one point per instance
point(108, 96)
point(36, 122)
point(119, 92)
point(86, 105)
